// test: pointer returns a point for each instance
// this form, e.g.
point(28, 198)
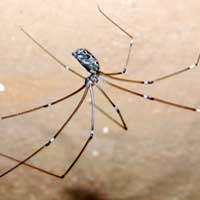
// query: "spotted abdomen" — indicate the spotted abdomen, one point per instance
point(87, 60)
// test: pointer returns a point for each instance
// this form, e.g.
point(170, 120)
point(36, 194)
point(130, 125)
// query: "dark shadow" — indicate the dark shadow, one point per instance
point(85, 193)
point(81, 193)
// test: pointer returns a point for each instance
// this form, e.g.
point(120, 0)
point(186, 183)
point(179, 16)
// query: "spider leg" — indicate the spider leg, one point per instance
point(108, 116)
point(67, 171)
point(29, 165)
point(50, 54)
point(125, 32)
point(45, 105)
point(123, 125)
point(151, 98)
point(147, 82)
point(90, 136)
point(52, 139)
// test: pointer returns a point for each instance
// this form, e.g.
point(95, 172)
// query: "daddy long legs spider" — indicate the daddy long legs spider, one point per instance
point(91, 64)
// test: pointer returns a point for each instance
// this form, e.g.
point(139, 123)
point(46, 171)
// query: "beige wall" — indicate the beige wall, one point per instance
point(158, 157)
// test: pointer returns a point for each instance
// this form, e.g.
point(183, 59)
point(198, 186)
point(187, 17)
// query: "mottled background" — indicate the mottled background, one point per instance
point(158, 157)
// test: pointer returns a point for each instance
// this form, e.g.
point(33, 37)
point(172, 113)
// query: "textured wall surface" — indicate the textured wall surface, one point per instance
point(158, 157)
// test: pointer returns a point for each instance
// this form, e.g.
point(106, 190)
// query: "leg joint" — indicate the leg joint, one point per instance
point(116, 108)
point(91, 134)
point(148, 97)
point(148, 82)
point(50, 141)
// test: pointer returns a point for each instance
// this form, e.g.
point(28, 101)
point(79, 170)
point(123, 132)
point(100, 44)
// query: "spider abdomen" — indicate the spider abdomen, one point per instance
point(87, 60)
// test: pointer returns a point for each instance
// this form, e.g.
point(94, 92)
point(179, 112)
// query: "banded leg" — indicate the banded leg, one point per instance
point(29, 165)
point(108, 116)
point(45, 105)
point(50, 54)
point(123, 125)
point(52, 139)
point(90, 136)
point(125, 32)
point(67, 171)
point(147, 97)
point(193, 66)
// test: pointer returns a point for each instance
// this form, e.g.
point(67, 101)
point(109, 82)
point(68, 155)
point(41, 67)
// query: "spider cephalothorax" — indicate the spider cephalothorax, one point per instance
point(92, 79)
point(87, 60)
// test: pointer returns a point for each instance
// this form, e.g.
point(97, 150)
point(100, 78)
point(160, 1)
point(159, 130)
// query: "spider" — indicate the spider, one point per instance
point(91, 64)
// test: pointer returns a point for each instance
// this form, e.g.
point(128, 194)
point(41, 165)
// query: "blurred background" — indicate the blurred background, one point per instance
point(158, 157)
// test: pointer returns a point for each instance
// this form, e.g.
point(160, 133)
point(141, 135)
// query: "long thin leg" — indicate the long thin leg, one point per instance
point(52, 139)
point(125, 32)
point(45, 105)
point(29, 165)
point(92, 109)
point(147, 97)
point(67, 171)
point(108, 116)
point(123, 125)
point(89, 138)
point(50, 54)
point(193, 66)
